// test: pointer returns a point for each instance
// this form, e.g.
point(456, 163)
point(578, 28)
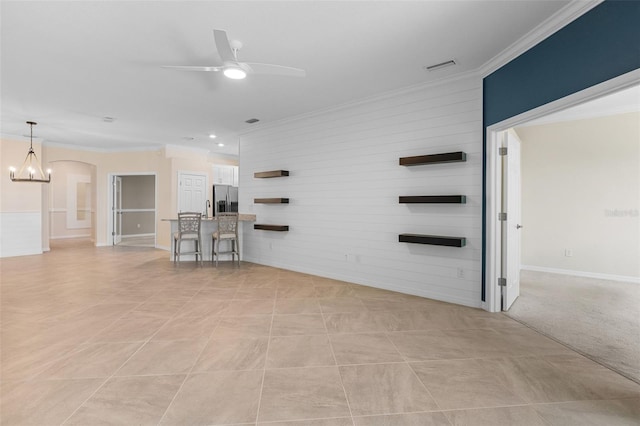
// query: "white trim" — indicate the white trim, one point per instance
point(72, 202)
point(68, 237)
point(621, 82)
point(493, 236)
point(137, 210)
point(374, 98)
point(493, 193)
point(109, 193)
point(171, 151)
point(550, 26)
point(622, 278)
point(138, 148)
point(384, 285)
point(138, 235)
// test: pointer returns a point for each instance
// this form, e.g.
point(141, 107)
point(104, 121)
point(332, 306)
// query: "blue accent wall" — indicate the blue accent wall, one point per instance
point(602, 44)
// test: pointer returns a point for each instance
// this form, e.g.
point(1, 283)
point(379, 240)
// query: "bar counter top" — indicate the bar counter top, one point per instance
point(209, 225)
point(242, 217)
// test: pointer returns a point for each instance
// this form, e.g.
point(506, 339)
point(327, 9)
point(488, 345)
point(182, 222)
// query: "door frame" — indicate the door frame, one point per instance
point(493, 188)
point(116, 230)
point(110, 177)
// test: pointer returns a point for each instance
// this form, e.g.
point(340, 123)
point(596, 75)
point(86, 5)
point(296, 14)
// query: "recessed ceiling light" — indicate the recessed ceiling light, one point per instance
point(252, 120)
point(440, 65)
point(220, 144)
point(212, 136)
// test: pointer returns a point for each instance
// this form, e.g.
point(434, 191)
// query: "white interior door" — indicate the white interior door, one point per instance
point(192, 192)
point(117, 210)
point(511, 200)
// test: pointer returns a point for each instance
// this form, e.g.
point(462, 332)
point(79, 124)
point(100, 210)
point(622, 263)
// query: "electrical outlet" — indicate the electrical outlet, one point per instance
point(138, 225)
point(353, 258)
point(460, 273)
point(568, 252)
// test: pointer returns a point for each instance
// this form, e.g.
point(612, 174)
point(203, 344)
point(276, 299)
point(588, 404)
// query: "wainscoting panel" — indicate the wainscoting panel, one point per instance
point(20, 233)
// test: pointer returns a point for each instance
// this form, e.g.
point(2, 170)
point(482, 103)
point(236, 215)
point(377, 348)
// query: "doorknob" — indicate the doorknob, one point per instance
point(518, 226)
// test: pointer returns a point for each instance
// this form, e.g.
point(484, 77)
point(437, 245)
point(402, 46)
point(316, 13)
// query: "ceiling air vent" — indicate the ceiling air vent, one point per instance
point(439, 66)
point(252, 120)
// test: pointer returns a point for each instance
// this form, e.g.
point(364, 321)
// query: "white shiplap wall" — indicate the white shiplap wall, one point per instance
point(344, 183)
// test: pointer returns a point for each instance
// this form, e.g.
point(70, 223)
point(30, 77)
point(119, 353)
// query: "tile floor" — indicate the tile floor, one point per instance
point(120, 336)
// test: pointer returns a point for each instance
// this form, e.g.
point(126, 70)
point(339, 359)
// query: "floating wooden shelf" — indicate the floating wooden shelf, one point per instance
point(279, 228)
point(448, 157)
point(436, 240)
point(271, 174)
point(271, 200)
point(433, 199)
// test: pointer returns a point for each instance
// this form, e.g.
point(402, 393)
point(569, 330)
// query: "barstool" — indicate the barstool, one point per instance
point(188, 230)
point(227, 230)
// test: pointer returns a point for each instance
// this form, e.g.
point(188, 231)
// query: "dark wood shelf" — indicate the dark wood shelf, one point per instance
point(448, 157)
point(271, 174)
point(279, 228)
point(436, 240)
point(271, 200)
point(432, 199)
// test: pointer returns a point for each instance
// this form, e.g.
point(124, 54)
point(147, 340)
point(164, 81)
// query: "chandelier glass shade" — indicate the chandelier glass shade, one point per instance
point(31, 170)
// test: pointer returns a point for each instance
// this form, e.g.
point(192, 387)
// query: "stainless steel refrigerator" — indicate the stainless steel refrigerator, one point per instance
point(225, 199)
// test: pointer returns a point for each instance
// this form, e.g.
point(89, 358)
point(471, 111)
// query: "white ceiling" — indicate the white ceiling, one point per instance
point(67, 65)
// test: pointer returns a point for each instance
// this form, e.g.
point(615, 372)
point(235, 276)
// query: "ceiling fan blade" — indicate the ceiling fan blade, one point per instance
point(223, 46)
point(190, 68)
point(257, 68)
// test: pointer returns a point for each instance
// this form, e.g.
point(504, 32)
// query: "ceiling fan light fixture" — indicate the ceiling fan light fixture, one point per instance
point(235, 73)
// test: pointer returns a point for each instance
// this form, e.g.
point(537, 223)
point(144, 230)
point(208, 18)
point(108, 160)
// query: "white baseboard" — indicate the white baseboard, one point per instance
point(68, 237)
point(383, 286)
point(138, 235)
point(621, 278)
point(165, 248)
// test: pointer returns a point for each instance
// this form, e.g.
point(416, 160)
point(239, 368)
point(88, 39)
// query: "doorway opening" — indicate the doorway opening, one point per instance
point(580, 195)
point(496, 240)
point(133, 209)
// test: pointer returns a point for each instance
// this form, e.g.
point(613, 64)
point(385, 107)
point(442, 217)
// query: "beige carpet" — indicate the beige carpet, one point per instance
point(598, 318)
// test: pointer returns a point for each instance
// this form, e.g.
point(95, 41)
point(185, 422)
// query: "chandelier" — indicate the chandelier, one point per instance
point(31, 170)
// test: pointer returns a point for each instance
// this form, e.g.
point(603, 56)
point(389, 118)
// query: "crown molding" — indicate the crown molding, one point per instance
point(20, 138)
point(363, 101)
point(178, 150)
point(554, 23)
point(101, 150)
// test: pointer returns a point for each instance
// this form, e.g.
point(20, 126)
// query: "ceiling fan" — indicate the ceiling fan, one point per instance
point(234, 69)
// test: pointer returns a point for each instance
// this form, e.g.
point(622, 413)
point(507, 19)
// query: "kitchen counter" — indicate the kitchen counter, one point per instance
point(208, 226)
